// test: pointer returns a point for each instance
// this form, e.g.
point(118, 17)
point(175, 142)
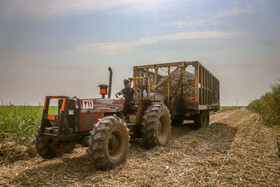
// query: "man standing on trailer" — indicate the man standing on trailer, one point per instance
point(128, 94)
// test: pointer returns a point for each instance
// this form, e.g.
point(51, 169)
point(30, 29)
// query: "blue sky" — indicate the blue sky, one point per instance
point(64, 47)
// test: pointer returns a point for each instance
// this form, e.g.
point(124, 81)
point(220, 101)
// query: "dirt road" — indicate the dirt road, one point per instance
point(232, 151)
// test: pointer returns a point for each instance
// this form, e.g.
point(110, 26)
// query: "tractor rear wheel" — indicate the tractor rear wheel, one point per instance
point(109, 142)
point(178, 120)
point(201, 120)
point(156, 125)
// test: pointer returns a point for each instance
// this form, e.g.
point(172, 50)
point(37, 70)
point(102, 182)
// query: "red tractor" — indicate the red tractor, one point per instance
point(101, 125)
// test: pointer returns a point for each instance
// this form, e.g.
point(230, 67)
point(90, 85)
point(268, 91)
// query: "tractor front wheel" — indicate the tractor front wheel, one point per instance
point(48, 148)
point(43, 147)
point(109, 142)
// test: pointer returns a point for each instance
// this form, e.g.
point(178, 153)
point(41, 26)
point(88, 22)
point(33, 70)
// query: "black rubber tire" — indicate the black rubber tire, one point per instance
point(49, 149)
point(69, 147)
point(178, 120)
point(110, 131)
point(207, 119)
point(85, 141)
point(201, 120)
point(62, 147)
point(156, 125)
point(43, 147)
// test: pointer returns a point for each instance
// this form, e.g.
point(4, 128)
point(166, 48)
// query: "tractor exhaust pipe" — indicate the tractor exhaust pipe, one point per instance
point(110, 82)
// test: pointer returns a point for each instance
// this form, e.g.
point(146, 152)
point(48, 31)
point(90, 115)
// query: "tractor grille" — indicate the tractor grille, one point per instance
point(87, 122)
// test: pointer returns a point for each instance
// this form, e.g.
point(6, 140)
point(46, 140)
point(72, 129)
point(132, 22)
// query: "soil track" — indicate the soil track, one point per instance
point(232, 151)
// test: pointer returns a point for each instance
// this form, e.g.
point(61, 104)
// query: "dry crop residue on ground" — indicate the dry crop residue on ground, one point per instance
point(232, 151)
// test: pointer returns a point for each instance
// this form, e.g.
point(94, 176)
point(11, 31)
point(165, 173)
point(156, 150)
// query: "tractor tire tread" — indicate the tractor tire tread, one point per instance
point(149, 121)
point(97, 148)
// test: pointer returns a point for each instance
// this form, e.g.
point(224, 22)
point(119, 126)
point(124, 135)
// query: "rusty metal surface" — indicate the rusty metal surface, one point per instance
point(102, 105)
point(87, 122)
point(94, 109)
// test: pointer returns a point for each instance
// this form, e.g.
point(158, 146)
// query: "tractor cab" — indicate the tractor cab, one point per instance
point(57, 133)
point(60, 115)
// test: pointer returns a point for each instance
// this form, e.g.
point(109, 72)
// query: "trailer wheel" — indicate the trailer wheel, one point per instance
point(156, 125)
point(201, 120)
point(109, 142)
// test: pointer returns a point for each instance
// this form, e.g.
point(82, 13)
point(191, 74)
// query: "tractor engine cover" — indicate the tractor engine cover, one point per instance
point(94, 109)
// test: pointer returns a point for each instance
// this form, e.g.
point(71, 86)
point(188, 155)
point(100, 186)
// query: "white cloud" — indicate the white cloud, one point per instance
point(194, 23)
point(190, 23)
point(233, 12)
point(212, 18)
point(111, 48)
point(108, 48)
point(45, 9)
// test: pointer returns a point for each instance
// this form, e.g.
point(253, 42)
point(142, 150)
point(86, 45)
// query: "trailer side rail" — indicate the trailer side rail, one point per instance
point(169, 78)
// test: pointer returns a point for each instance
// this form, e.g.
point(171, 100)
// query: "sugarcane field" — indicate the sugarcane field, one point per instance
point(234, 150)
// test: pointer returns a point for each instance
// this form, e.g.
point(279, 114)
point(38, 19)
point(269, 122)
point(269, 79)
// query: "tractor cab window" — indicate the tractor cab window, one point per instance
point(54, 106)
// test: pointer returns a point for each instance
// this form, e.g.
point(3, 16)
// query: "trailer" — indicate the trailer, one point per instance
point(188, 89)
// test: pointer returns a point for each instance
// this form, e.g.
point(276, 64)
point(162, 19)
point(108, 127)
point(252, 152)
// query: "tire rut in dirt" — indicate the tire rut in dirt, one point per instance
point(156, 125)
point(109, 143)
